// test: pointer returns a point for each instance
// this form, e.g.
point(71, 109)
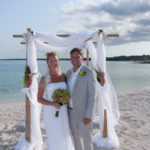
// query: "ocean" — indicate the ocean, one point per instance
point(124, 76)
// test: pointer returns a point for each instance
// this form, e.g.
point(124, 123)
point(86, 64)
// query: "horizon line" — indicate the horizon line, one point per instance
point(69, 58)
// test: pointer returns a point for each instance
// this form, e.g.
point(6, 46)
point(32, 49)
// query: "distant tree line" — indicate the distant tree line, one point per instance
point(143, 58)
point(129, 58)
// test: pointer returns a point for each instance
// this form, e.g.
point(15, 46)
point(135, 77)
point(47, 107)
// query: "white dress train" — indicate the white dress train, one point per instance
point(57, 128)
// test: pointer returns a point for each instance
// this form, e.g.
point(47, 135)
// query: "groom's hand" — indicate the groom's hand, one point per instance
point(87, 121)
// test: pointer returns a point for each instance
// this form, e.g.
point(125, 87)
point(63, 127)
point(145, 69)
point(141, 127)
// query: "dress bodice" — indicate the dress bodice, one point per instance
point(51, 87)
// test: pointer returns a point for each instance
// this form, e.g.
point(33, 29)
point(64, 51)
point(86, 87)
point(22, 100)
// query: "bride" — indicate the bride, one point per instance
point(57, 128)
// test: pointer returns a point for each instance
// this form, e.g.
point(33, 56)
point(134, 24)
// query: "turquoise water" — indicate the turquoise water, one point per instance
point(124, 75)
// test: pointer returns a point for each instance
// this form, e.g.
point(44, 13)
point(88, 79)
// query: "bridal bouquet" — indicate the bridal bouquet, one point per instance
point(61, 97)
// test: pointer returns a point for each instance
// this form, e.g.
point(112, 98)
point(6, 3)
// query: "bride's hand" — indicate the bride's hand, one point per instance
point(56, 105)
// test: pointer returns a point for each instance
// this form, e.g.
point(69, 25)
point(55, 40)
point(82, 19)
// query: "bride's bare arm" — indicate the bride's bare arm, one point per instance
point(40, 98)
point(64, 77)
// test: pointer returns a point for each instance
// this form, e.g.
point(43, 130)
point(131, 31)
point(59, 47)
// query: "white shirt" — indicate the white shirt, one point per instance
point(72, 81)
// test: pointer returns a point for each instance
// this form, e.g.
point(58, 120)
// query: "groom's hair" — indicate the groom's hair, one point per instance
point(79, 50)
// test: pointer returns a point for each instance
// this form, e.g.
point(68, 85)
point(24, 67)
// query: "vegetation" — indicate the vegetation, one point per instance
point(26, 78)
point(145, 58)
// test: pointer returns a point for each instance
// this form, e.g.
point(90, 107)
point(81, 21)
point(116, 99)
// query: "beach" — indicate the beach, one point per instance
point(133, 129)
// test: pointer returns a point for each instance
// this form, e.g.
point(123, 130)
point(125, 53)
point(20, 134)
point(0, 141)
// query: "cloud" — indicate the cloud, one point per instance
point(143, 21)
point(123, 8)
point(128, 18)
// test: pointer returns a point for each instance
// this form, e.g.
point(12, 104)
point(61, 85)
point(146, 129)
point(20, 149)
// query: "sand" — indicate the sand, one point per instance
point(133, 129)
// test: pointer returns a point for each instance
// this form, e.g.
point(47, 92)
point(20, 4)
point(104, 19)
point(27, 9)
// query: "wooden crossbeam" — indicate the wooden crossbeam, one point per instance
point(17, 36)
point(67, 35)
point(64, 35)
point(112, 35)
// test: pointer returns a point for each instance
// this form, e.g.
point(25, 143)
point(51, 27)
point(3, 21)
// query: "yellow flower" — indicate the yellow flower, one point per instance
point(82, 73)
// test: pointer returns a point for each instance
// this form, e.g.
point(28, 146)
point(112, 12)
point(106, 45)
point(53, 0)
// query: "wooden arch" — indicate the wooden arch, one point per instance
point(28, 112)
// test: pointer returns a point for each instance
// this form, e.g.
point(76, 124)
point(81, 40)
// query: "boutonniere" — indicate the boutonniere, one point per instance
point(82, 73)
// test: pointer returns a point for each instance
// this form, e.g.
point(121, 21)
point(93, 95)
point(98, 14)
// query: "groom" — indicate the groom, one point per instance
point(82, 86)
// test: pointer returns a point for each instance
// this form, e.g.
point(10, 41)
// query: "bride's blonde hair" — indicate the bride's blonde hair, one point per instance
point(47, 75)
point(51, 54)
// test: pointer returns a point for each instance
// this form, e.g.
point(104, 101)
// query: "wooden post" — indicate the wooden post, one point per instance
point(28, 120)
point(28, 106)
point(87, 57)
point(105, 132)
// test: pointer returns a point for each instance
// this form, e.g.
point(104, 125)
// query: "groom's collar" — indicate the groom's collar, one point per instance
point(78, 70)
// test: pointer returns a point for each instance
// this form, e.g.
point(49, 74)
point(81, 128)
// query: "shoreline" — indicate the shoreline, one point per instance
point(117, 92)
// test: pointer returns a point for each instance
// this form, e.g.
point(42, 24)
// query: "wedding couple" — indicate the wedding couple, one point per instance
point(72, 130)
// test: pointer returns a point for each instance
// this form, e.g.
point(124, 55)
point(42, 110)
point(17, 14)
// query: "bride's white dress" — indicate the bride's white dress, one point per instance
point(57, 128)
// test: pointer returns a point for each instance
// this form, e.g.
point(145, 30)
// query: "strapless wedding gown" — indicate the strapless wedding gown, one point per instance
point(57, 128)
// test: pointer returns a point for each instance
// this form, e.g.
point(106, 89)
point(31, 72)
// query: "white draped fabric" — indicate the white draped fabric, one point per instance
point(36, 136)
point(106, 97)
point(53, 40)
point(106, 94)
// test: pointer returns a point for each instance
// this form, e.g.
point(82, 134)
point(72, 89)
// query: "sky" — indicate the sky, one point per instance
point(129, 19)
